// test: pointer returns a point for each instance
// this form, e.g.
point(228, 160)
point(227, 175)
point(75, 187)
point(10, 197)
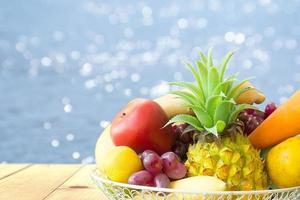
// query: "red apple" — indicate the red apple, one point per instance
point(140, 125)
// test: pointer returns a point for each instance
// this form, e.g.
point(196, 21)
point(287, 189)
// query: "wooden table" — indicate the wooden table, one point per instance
point(47, 182)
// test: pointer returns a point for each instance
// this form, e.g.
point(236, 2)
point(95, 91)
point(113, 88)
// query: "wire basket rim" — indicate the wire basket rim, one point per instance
point(97, 178)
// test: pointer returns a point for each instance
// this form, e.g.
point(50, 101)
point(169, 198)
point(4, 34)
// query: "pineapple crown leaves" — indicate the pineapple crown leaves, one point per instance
point(211, 96)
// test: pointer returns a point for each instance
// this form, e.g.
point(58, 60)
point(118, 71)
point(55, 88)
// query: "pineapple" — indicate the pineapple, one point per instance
point(221, 149)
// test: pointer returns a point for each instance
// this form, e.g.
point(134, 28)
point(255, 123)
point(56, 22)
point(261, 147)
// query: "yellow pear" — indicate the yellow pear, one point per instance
point(103, 146)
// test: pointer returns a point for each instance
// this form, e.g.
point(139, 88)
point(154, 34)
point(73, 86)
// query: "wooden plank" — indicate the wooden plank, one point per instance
point(81, 179)
point(35, 182)
point(7, 170)
point(78, 187)
point(77, 194)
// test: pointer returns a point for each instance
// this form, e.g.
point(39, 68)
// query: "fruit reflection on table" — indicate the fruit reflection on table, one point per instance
point(207, 136)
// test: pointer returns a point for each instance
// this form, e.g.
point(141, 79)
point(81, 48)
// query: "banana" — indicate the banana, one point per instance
point(251, 96)
point(172, 105)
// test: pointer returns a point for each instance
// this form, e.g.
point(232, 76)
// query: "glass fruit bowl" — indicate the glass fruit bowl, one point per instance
point(121, 191)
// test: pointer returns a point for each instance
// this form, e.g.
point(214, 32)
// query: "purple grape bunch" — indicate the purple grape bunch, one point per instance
point(183, 139)
point(253, 118)
point(159, 170)
point(270, 108)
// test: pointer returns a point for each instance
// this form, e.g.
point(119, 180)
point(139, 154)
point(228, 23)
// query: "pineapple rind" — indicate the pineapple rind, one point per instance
point(234, 160)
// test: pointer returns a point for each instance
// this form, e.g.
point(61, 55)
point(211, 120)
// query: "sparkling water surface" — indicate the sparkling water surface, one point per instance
point(66, 67)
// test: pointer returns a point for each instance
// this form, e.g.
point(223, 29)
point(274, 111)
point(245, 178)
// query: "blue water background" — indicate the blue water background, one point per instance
point(66, 67)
